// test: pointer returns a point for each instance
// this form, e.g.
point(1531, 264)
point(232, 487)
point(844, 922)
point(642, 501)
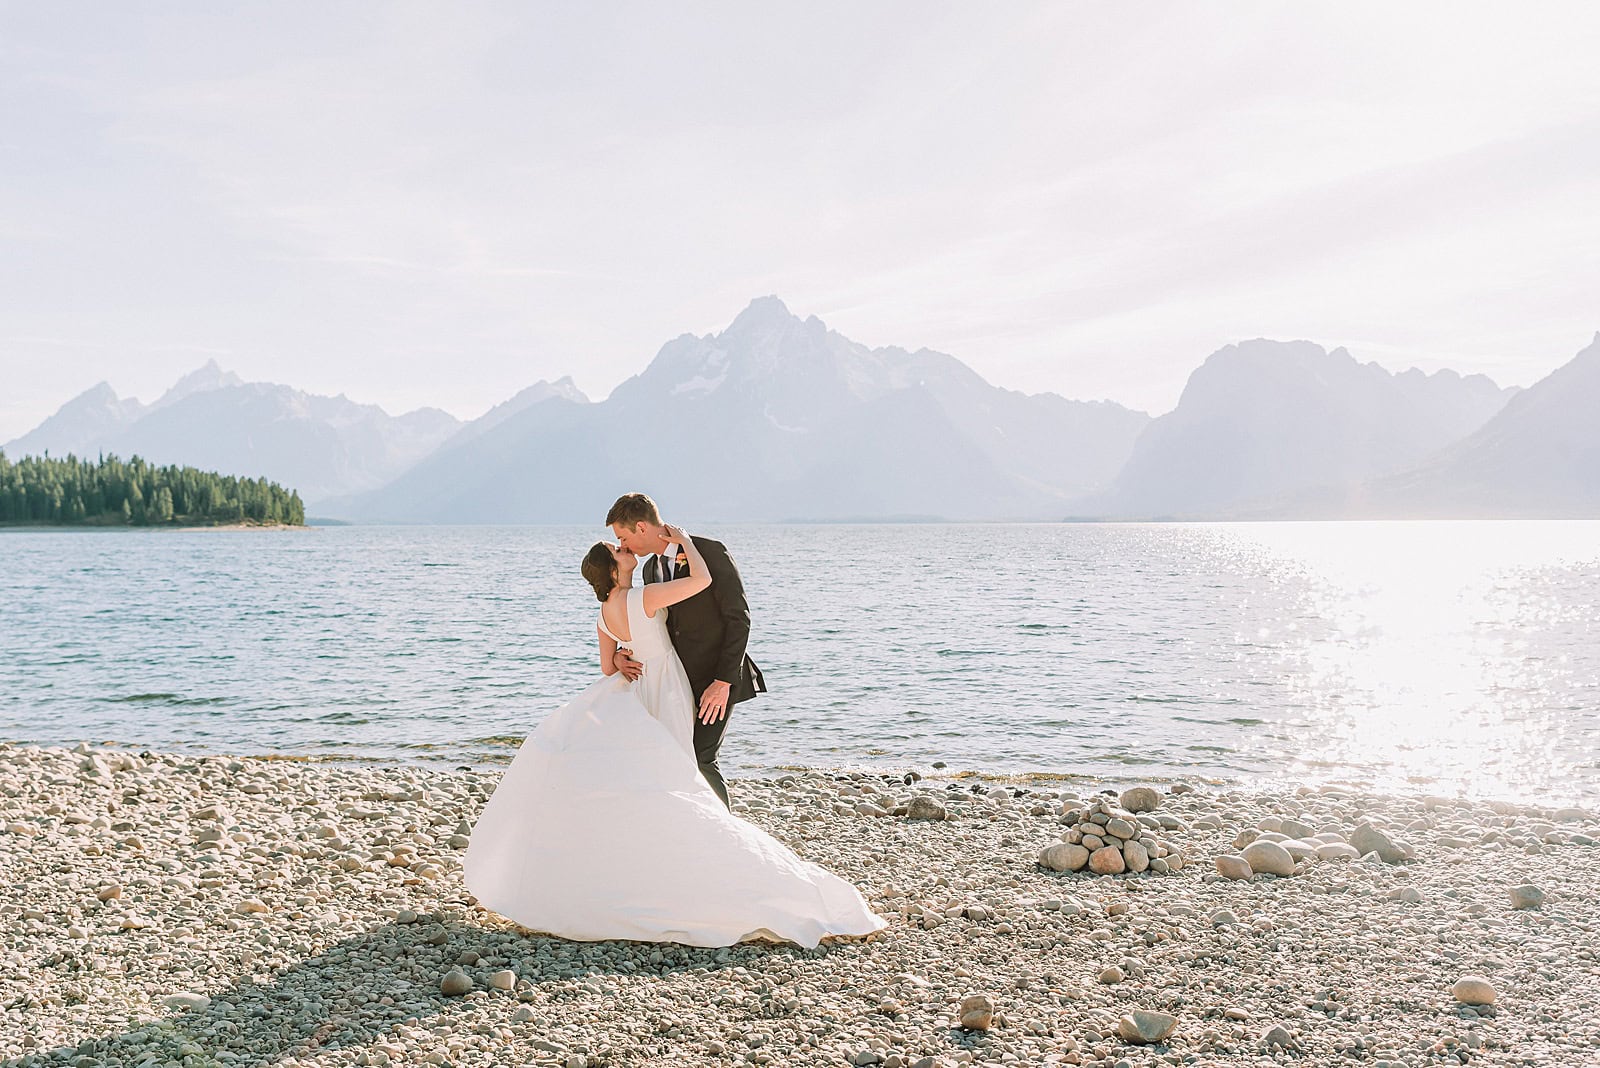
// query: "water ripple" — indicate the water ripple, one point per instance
point(1456, 655)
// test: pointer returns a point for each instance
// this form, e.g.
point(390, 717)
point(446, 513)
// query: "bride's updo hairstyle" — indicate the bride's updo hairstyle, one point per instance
point(601, 570)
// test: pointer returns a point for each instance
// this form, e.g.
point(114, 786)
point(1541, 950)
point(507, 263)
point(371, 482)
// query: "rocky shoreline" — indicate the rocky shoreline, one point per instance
point(182, 909)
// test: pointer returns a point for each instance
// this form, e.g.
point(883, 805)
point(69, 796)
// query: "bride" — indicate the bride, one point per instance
point(604, 828)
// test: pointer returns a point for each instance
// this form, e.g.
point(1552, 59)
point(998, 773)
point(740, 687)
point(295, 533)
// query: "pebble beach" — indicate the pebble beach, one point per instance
point(165, 908)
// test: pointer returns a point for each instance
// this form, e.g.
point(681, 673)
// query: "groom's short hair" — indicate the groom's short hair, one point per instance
point(632, 509)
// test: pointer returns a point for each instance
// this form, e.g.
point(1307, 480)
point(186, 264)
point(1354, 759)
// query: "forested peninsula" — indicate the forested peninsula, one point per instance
point(40, 491)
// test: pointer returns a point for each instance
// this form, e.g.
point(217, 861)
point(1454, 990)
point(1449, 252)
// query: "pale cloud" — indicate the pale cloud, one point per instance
point(414, 204)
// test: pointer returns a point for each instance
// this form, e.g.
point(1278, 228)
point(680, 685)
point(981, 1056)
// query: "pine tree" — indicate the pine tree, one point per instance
point(105, 490)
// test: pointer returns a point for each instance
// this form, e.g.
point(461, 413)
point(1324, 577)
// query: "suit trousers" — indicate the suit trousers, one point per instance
point(707, 740)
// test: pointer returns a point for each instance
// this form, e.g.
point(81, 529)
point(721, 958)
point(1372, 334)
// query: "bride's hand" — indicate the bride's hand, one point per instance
point(675, 534)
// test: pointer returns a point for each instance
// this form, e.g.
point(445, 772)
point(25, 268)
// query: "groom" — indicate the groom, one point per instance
point(709, 630)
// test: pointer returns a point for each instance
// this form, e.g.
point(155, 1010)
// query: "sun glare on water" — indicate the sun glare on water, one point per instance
point(1419, 661)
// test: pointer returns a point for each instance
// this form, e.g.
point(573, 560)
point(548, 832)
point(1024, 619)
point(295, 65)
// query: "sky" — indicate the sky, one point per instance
point(440, 204)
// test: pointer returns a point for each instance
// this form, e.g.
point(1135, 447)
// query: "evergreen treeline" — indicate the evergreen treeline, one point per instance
point(110, 492)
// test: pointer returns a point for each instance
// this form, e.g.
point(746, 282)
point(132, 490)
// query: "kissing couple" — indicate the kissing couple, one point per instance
point(612, 821)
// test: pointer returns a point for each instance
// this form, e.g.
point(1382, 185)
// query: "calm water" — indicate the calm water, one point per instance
point(1433, 656)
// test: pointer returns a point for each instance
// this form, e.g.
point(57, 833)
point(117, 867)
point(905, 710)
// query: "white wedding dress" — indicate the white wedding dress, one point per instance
point(603, 828)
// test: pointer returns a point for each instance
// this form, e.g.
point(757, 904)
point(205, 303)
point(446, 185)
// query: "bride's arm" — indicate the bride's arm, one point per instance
point(608, 652)
point(661, 594)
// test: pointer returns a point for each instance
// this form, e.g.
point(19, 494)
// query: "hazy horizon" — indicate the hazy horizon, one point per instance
point(417, 210)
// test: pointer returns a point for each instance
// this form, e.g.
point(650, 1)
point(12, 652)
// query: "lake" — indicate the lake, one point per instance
point(1430, 656)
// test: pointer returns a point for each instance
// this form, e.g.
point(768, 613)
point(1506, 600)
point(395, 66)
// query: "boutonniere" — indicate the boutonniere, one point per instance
point(683, 558)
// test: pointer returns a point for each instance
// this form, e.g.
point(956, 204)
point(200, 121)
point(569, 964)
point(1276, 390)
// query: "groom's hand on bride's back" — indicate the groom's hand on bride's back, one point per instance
point(630, 668)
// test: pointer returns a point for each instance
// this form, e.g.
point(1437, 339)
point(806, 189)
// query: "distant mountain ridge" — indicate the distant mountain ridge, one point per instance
point(202, 380)
point(1539, 457)
point(563, 388)
point(212, 419)
point(781, 418)
point(78, 424)
point(775, 418)
point(1262, 421)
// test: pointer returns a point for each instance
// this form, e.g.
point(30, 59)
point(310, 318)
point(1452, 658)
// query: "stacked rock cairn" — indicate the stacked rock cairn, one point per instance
point(1109, 836)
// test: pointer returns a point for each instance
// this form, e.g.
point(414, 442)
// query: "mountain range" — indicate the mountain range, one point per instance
point(1539, 457)
point(780, 418)
point(774, 418)
point(214, 421)
point(1263, 421)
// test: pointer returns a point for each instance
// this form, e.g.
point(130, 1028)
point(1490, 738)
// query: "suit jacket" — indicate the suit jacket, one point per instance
point(711, 629)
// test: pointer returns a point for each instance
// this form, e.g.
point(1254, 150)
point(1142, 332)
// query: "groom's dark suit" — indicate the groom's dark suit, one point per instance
point(709, 632)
